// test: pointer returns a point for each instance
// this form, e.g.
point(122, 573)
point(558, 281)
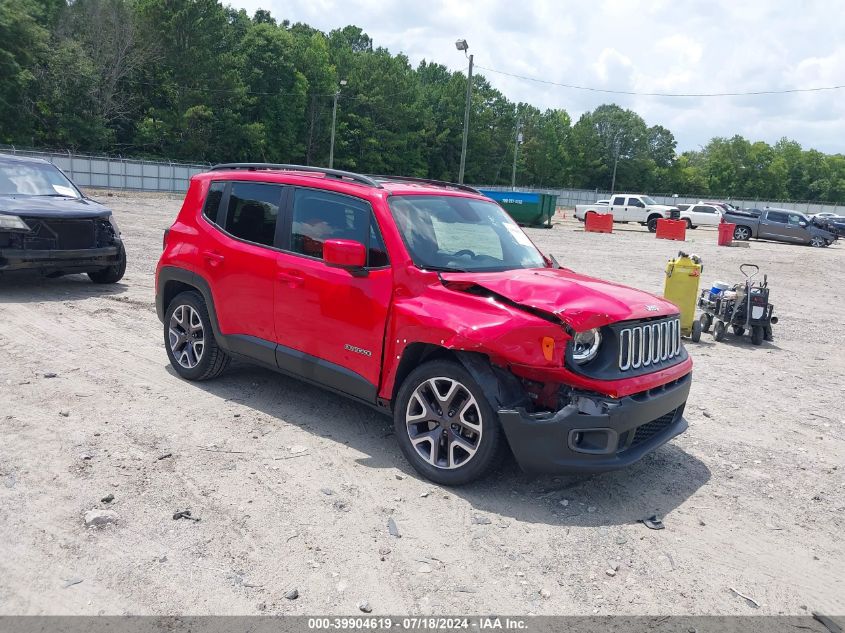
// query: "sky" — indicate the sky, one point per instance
point(680, 46)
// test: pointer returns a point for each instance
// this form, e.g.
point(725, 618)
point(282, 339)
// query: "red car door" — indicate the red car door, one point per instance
point(330, 323)
point(239, 263)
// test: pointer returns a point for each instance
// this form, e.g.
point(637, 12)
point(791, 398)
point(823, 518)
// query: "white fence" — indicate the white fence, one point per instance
point(571, 197)
point(109, 172)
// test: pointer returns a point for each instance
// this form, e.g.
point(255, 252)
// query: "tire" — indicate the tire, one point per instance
point(447, 462)
point(817, 241)
point(652, 224)
point(111, 274)
point(719, 331)
point(186, 327)
point(757, 334)
point(742, 233)
point(738, 330)
point(706, 321)
point(689, 224)
point(767, 333)
point(695, 336)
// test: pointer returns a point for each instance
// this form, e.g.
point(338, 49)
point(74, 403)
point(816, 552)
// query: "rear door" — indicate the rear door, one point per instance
point(705, 215)
point(239, 260)
point(618, 208)
point(330, 323)
point(775, 225)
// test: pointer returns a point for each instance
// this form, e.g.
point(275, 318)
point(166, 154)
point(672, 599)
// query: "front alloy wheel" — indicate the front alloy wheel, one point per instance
point(444, 422)
point(188, 336)
point(444, 425)
point(817, 241)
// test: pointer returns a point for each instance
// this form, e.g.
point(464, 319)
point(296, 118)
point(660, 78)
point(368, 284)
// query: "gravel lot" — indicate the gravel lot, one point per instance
point(295, 486)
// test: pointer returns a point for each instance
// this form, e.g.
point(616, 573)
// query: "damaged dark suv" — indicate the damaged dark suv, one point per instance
point(49, 227)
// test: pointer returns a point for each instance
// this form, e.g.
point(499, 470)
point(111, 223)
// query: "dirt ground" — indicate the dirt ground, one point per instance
point(295, 486)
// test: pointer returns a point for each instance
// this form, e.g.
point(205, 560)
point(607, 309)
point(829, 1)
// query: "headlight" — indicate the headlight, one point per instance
point(585, 346)
point(113, 223)
point(12, 223)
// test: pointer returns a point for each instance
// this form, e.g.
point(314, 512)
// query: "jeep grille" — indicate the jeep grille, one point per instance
point(649, 343)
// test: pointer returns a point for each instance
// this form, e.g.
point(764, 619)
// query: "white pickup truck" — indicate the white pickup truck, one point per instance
point(628, 208)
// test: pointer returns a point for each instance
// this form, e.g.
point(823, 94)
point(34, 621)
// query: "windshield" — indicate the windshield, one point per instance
point(34, 179)
point(462, 234)
point(647, 200)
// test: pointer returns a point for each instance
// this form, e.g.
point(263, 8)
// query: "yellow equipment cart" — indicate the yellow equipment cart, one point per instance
point(683, 274)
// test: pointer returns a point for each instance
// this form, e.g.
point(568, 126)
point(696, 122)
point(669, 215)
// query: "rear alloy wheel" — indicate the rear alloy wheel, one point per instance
point(742, 233)
point(817, 241)
point(444, 424)
point(189, 339)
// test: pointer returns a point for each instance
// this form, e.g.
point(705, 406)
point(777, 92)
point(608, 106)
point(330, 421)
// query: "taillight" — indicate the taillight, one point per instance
point(164, 239)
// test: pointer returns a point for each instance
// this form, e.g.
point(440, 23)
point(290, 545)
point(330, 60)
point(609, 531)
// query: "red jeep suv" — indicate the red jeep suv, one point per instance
point(426, 301)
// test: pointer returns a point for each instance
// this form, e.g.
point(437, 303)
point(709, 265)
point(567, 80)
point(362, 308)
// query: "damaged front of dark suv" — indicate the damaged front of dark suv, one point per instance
point(48, 226)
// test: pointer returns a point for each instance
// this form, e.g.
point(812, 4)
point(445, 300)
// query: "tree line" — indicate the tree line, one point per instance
point(195, 80)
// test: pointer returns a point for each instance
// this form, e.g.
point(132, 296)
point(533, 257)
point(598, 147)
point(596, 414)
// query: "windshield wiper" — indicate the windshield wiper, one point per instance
point(444, 269)
point(52, 195)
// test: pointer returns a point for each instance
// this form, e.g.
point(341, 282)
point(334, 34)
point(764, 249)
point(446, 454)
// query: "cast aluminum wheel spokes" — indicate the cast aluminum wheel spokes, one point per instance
point(444, 422)
point(186, 336)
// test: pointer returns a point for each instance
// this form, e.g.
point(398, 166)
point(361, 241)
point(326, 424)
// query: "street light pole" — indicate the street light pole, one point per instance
point(462, 45)
point(334, 122)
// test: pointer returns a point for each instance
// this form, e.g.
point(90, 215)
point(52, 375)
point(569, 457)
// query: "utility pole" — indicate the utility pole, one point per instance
point(334, 122)
point(615, 162)
point(516, 142)
point(462, 45)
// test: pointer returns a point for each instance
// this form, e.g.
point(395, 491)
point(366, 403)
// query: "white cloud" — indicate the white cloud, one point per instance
point(646, 46)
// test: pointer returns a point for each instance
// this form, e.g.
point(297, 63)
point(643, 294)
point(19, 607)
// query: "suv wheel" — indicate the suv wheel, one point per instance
point(189, 339)
point(444, 424)
point(113, 273)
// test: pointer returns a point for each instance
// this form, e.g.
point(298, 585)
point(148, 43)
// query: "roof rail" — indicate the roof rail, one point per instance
point(428, 181)
point(329, 173)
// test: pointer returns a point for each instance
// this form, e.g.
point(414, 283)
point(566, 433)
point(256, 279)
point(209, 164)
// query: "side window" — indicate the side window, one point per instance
point(776, 216)
point(253, 210)
point(212, 201)
point(682, 207)
point(795, 219)
point(635, 202)
point(322, 215)
point(619, 201)
point(701, 209)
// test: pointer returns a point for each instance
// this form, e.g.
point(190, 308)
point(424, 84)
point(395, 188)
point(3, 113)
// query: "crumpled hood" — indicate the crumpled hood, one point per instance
point(49, 207)
point(579, 301)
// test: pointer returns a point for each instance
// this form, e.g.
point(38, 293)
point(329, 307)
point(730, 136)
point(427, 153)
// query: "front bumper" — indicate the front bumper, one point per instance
point(595, 433)
point(84, 259)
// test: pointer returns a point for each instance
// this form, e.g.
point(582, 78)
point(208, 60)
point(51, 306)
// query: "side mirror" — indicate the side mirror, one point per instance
point(345, 254)
point(802, 223)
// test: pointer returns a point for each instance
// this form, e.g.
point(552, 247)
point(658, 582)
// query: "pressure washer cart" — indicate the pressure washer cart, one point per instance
point(745, 308)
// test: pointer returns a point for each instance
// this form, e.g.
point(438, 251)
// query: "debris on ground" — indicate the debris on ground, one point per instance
point(477, 519)
point(545, 593)
point(50, 374)
point(108, 498)
point(97, 518)
point(70, 582)
point(365, 607)
point(293, 594)
point(64, 413)
point(392, 528)
point(829, 624)
point(327, 491)
point(184, 514)
point(165, 456)
point(751, 602)
point(653, 522)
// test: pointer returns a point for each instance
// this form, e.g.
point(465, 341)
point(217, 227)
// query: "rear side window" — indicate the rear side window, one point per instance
point(776, 216)
point(322, 215)
point(212, 201)
point(701, 209)
point(619, 200)
point(252, 212)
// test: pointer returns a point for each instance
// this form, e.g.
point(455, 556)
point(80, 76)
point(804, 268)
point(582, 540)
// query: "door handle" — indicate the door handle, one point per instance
point(290, 278)
point(215, 259)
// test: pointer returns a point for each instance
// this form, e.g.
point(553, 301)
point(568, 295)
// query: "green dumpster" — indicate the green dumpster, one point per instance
point(528, 209)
